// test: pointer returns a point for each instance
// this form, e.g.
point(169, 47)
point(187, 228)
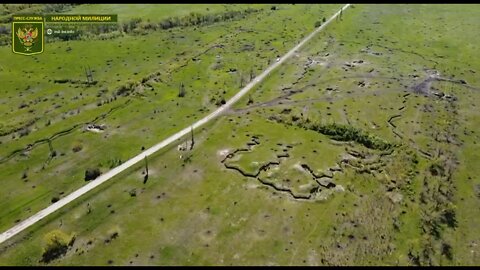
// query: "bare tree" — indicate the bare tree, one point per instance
point(89, 75)
point(250, 100)
point(145, 179)
point(242, 81)
point(192, 138)
point(181, 91)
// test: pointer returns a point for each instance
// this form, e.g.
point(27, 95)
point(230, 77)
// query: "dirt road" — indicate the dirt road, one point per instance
point(140, 157)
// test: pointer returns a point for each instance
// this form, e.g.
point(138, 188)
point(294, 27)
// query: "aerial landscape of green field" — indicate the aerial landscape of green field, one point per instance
point(203, 134)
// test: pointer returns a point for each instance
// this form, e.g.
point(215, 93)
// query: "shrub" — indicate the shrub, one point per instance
point(57, 243)
point(4, 30)
point(77, 148)
point(341, 133)
point(114, 162)
point(91, 174)
point(348, 133)
point(449, 217)
point(250, 100)
point(125, 89)
point(437, 169)
point(220, 101)
point(447, 250)
point(24, 132)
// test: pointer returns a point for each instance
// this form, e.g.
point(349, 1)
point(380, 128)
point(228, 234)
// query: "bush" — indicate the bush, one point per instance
point(125, 89)
point(250, 100)
point(4, 30)
point(318, 24)
point(114, 162)
point(56, 8)
point(437, 169)
point(22, 105)
point(91, 174)
point(197, 19)
point(131, 25)
point(447, 250)
point(220, 101)
point(449, 217)
point(57, 245)
point(24, 132)
point(341, 133)
point(77, 148)
point(348, 133)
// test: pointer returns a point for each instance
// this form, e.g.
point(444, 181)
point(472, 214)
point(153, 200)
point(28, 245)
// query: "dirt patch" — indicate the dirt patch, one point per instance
point(223, 153)
point(192, 174)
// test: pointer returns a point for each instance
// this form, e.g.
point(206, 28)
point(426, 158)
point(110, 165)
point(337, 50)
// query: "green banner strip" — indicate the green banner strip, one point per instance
point(27, 18)
point(72, 18)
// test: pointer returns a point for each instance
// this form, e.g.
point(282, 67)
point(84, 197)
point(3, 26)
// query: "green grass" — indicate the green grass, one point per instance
point(201, 213)
point(151, 114)
point(157, 12)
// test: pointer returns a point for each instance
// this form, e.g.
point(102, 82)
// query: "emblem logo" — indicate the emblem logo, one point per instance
point(27, 37)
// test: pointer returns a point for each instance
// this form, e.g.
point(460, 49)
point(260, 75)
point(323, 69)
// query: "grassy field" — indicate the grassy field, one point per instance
point(152, 111)
point(275, 181)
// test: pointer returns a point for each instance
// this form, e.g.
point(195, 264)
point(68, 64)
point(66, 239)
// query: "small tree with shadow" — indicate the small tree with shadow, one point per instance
point(92, 173)
point(57, 244)
point(181, 91)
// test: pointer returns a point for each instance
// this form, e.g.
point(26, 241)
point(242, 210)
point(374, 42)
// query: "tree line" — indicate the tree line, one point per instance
point(133, 26)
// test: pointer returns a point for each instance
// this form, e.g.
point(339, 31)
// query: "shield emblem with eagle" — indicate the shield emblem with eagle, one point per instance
point(27, 37)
